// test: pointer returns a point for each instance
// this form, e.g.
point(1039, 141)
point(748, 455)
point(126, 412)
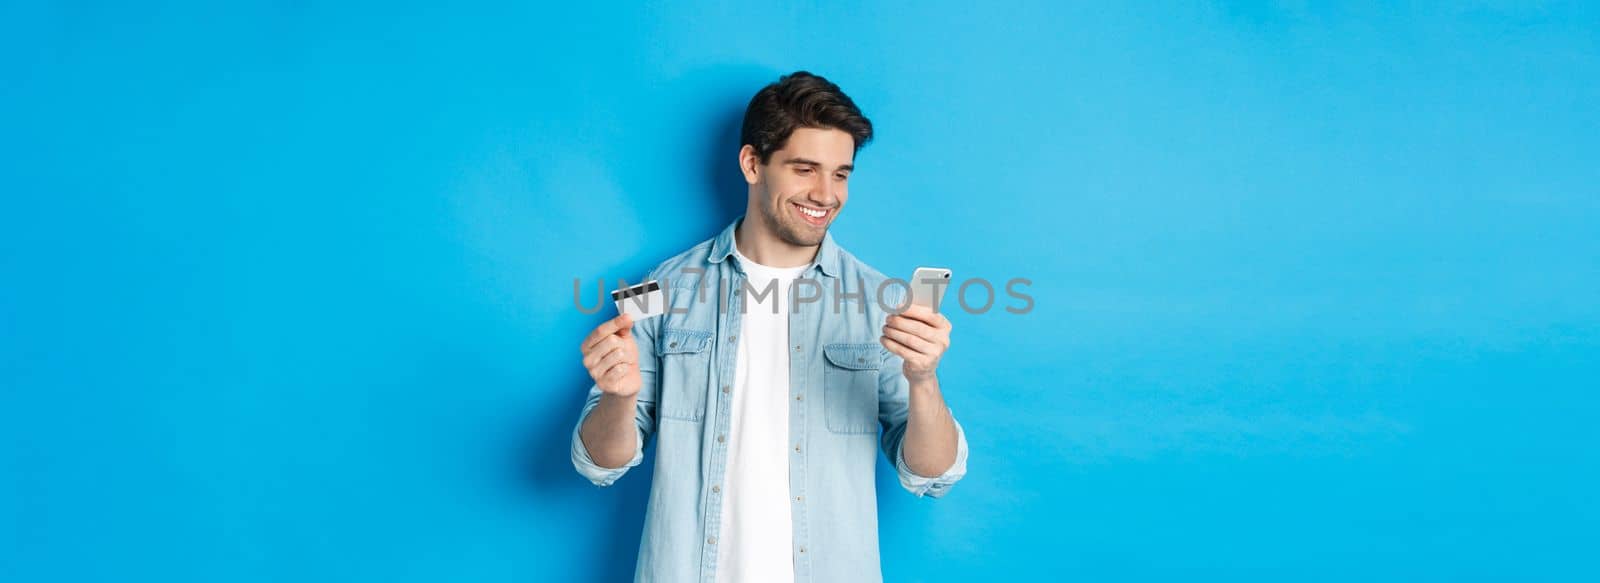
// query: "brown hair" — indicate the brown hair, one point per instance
point(800, 100)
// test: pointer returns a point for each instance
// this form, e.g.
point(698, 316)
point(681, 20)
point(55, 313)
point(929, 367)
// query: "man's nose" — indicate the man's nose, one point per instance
point(827, 195)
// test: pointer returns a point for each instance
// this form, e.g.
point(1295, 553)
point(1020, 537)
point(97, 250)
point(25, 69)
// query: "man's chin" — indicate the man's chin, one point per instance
point(803, 236)
point(799, 235)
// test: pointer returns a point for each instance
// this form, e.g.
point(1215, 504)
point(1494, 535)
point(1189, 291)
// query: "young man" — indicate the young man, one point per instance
point(768, 382)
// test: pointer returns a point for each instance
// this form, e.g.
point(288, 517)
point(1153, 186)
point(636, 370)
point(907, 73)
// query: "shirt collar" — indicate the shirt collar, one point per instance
point(827, 260)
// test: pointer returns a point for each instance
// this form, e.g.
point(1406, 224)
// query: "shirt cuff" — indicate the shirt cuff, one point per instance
point(596, 474)
point(939, 485)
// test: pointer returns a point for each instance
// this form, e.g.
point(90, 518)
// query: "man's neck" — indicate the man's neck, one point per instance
point(763, 246)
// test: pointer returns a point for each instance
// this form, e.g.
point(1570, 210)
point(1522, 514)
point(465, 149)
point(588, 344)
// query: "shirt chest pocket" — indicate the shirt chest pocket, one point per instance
point(685, 372)
point(850, 387)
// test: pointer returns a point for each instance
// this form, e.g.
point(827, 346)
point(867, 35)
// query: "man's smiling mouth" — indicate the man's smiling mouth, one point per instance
point(815, 216)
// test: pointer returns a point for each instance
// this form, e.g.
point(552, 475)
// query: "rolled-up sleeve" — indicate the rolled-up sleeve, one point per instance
point(935, 486)
point(643, 414)
point(602, 476)
point(894, 409)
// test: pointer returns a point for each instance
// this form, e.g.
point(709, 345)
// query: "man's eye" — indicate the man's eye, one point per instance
point(802, 170)
point(842, 176)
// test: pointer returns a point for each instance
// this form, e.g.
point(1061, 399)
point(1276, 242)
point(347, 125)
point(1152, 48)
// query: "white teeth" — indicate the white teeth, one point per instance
point(811, 213)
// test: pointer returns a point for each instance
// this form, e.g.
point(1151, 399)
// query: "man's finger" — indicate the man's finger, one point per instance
point(897, 348)
point(616, 371)
point(612, 359)
point(604, 345)
point(595, 336)
point(624, 325)
point(922, 314)
point(918, 328)
point(599, 355)
point(608, 328)
point(911, 341)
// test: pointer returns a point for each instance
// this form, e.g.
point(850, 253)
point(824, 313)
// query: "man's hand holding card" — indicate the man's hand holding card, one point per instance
point(609, 352)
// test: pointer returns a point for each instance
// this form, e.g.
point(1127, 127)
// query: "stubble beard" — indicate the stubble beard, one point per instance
point(781, 225)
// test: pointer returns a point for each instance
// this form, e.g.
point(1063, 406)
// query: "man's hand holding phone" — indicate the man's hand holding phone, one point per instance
point(920, 335)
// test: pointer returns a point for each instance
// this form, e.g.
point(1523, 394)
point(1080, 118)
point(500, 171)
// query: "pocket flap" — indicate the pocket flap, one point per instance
point(679, 341)
point(854, 356)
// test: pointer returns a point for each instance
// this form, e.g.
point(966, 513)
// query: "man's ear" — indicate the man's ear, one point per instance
point(750, 164)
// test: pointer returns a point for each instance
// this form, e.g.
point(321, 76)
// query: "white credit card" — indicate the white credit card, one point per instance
point(645, 300)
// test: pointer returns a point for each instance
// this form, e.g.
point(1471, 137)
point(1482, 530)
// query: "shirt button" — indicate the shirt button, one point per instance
point(797, 448)
point(800, 397)
point(711, 540)
point(726, 388)
point(672, 345)
point(733, 338)
point(716, 489)
point(802, 549)
point(722, 438)
point(800, 498)
point(797, 348)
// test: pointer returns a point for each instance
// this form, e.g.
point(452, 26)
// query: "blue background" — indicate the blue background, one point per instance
point(287, 290)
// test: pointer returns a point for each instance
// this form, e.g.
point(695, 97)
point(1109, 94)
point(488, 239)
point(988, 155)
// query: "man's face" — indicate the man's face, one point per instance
point(802, 187)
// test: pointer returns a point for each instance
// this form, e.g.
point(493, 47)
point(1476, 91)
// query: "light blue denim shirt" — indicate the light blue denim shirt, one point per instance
point(849, 399)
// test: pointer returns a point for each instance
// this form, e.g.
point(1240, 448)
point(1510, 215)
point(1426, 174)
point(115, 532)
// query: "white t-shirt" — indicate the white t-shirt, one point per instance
point(757, 537)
